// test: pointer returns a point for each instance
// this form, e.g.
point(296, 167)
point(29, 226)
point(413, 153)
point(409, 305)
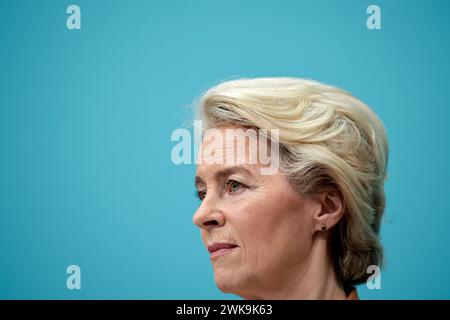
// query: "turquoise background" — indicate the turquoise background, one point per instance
point(86, 116)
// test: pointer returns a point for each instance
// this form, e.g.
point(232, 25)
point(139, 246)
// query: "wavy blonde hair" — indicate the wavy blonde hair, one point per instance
point(329, 140)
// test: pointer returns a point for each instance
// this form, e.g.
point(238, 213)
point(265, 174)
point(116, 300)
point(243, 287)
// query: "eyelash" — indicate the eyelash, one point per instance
point(240, 184)
point(202, 194)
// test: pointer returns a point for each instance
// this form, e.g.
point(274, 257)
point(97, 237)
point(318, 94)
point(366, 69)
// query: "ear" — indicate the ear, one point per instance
point(331, 210)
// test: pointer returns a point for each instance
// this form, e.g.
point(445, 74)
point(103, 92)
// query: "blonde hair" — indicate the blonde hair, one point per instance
point(328, 139)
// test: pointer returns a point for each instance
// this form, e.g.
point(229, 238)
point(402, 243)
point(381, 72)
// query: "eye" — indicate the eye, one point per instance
point(201, 194)
point(234, 186)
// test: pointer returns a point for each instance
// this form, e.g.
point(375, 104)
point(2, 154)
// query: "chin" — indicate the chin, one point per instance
point(226, 281)
point(234, 288)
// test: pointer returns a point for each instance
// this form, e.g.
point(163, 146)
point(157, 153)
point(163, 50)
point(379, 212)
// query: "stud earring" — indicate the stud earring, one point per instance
point(324, 227)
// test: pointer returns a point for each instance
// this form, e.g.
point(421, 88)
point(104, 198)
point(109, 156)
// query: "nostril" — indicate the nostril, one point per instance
point(211, 223)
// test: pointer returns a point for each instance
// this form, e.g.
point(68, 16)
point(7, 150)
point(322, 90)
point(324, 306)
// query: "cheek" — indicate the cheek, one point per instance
point(257, 223)
point(273, 227)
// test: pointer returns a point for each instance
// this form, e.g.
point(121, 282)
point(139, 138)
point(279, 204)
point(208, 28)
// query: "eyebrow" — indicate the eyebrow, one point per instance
point(225, 173)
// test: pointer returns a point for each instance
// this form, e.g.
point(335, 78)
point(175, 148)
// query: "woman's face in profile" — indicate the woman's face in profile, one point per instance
point(257, 229)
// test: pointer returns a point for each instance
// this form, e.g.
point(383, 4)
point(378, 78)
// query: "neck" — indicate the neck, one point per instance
point(316, 279)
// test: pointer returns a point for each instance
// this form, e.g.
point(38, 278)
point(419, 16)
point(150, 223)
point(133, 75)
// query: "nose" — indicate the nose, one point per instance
point(208, 216)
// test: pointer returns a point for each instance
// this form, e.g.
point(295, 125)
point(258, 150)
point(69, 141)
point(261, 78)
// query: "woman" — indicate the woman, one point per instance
point(311, 229)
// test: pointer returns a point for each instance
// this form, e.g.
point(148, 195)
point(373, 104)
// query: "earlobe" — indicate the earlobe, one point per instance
point(331, 211)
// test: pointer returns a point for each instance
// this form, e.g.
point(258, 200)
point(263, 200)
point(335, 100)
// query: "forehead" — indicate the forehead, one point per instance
point(227, 148)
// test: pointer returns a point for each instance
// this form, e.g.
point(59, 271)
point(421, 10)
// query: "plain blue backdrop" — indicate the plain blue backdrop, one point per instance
point(86, 115)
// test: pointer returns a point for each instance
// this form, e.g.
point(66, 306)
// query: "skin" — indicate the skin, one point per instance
point(282, 252)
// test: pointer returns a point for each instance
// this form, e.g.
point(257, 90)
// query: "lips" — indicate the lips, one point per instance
point(220, 246)
point(218, 249)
